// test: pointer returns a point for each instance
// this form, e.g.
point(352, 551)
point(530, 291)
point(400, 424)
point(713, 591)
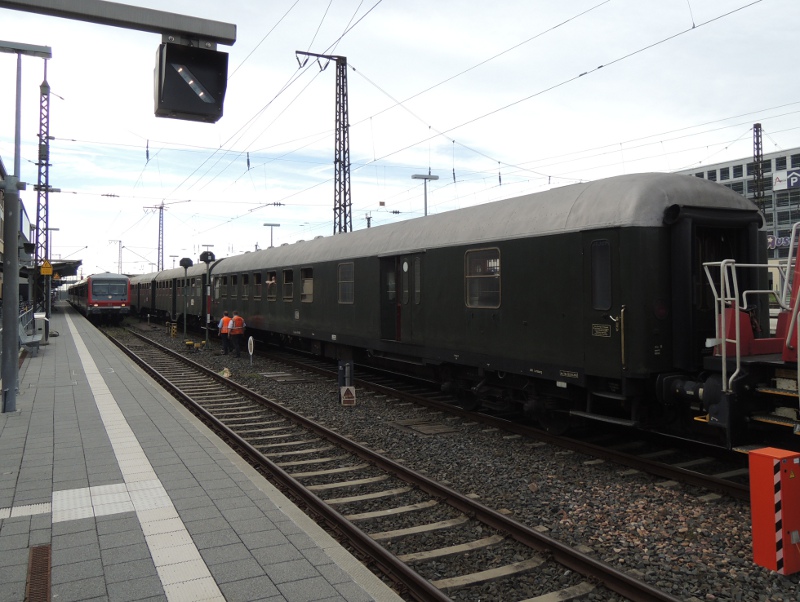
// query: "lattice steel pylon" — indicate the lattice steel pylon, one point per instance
point(758, 169)
point(41, 245)
point(342, 203)
point(161, 231)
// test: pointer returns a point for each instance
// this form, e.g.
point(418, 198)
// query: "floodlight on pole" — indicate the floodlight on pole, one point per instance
point(271, 227)
point(425, 178)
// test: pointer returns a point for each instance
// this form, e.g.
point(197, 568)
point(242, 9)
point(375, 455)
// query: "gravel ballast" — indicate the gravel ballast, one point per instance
point(695, 550)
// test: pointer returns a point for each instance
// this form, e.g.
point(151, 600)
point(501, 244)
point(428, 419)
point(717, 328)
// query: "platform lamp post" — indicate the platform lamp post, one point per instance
point(207, 257)
point(186, 263)
point(11, 186)
point(174, 257)
point(271, 227)
point(425, 178)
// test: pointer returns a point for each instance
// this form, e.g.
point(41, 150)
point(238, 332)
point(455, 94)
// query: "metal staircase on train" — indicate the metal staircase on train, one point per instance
point(735, 337)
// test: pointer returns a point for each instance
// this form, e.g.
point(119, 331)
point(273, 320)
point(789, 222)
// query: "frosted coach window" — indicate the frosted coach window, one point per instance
point(346, 283)
point(307, 285)
point(482, 278)
point(417, 280)
point(288, 285)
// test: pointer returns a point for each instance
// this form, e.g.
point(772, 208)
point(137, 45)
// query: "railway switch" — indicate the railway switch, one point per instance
point(775, 509)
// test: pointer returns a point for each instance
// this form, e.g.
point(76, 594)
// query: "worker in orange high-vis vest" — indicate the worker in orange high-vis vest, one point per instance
point(236, 332)
point(224, 329)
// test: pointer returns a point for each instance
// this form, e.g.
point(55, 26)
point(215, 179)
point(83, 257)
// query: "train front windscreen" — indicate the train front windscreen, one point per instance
point(110, 290)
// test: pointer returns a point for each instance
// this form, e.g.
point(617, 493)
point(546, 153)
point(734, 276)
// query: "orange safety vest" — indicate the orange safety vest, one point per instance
point(226, 320)
point(238, 325)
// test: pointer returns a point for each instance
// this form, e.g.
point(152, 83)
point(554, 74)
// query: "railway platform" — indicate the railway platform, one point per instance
point(111, 490)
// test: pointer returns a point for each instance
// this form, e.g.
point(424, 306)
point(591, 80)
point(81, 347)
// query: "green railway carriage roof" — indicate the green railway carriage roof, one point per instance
point(197, 269)
point(637, 200)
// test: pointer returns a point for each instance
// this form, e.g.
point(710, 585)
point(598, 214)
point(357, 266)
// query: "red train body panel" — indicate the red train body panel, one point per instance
point(103, 297)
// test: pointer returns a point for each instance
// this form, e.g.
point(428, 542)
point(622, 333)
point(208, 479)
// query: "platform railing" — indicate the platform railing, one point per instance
point(725, 287)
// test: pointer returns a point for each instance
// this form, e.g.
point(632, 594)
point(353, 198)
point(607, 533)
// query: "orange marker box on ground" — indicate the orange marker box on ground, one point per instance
point(775, 509)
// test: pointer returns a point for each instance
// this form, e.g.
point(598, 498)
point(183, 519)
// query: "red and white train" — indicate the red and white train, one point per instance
point(102, 297)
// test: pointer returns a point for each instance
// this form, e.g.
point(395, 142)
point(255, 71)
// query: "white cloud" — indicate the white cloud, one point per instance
point(522, 109)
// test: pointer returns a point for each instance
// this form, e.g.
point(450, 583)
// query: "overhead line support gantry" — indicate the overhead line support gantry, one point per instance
point(342, 204)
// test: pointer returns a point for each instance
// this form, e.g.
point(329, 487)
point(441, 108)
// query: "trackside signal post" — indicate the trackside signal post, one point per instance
point(775, 509)
point(207, 257)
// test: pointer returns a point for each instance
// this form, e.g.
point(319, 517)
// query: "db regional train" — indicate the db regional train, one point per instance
point(102, 297)
point(640, 300)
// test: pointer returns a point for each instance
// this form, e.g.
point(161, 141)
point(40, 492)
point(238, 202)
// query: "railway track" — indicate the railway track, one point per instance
point(716, 471)
point(434, 542)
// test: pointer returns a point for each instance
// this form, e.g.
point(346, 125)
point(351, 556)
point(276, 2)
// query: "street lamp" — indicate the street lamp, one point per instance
point(186, 263)
point(271, 227)
point(425, 178)
point(207, 257)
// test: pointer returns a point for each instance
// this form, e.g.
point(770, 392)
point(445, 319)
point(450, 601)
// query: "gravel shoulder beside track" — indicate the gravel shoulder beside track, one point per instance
point(666, 536)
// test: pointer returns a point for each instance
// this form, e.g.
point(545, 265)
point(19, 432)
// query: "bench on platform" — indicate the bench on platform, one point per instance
point(30, 342)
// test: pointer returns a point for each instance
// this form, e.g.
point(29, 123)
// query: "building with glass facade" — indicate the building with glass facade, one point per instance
point(781, 182)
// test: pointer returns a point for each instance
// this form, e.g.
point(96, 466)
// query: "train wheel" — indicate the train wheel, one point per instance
point(555, 422)
point(545, 412)
point(467, 400)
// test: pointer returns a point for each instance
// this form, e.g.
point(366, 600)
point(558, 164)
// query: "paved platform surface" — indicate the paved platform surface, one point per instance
point(139, 501)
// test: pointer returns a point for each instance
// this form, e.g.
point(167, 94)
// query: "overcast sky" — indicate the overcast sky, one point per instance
point(498, 99)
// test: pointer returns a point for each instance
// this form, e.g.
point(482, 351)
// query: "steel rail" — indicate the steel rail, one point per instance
point(616, 580)
point(737, 491)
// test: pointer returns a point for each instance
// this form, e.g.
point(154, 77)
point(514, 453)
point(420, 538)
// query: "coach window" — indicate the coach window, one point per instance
point(257, 285)
point(224, 286)
point(601, 275)
point(404, 267)
point(391, 286)
point(272, 285)
point(482, 278)
point(307, 285)
point(288, 285)
point(234, 290)
point(417, 280)
point(245, 286)
point(346, 278)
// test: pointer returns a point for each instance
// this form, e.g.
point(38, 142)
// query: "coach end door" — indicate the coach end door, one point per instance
point(401, 298)
point(604, 310)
